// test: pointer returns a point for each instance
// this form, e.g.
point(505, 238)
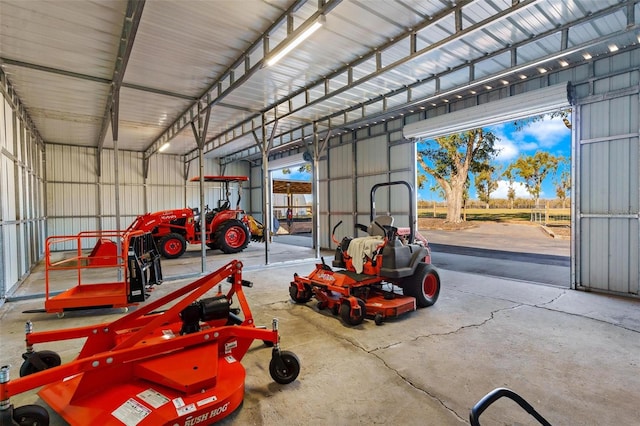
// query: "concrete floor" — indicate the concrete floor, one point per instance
point(574, 356)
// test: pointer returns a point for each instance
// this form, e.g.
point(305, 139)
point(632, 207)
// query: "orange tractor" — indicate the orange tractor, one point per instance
point(383, 275)
point(228, 229)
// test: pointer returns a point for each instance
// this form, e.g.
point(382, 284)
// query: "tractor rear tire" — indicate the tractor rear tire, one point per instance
point(423, 285)
point(232, 236)
point(172, 245)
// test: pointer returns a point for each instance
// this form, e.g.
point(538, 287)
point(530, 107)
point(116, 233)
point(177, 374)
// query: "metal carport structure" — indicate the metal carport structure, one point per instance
point(93, 90)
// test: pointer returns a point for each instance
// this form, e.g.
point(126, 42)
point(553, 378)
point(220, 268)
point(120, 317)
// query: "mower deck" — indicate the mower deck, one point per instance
point(346, 292)
point(179, 367)
point(190, 385)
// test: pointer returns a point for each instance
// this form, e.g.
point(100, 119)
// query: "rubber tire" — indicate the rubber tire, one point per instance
point(213, 246)
point(293, 292)
point(31, 415)
point(291, 372)
point(378, 319)
point(345, 313)
point(423, 285)
point(173, 239)
point(232, 236)
point(50, 358)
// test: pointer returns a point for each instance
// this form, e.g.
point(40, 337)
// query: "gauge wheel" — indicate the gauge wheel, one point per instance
point(300, 298)
point(172, 245)
point(352, 316)
point(423, 285)
point(50, 359)
point(232, 236)
point(286, 371)
point(31, 415)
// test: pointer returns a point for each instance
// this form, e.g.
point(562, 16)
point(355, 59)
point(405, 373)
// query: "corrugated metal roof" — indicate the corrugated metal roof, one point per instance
point(371, 58)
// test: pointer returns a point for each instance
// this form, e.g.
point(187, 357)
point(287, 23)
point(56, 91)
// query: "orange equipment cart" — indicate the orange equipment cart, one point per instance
point(108, 276)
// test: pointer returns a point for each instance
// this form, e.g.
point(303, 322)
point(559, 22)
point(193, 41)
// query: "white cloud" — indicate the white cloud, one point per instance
point(546, 133)
point(508, 150)
point(503, 189)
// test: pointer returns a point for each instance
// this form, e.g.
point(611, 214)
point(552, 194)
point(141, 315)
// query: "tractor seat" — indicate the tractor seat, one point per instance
point(384, 221)
point(223, 207)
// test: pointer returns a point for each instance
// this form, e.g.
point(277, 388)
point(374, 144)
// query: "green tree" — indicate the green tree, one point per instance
point(303, 168)
point(486, 182)
point(511, 191)
point(534, 169)
point(563, 180)
point(450, 159)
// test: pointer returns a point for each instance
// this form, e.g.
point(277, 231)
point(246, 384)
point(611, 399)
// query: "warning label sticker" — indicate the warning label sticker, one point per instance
point(131, 412)
point(153, 398)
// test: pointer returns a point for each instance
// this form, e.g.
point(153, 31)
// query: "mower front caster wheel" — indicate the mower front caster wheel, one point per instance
point(353, 316)
point(284, 368)
point(31, 415)
point(302, 297)
point(378, 319)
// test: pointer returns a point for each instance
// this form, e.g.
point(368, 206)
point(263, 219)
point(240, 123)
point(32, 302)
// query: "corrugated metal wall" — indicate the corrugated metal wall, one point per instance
point(78, 199)
point(353, 164)
point(22, 218)
point(607, 170)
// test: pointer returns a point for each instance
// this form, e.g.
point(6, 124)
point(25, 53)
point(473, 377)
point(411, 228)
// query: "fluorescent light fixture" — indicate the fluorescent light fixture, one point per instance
point(505, 82)
point(542, 70)
point(613, 48)
point(586, 56)
point(164, 147)
point(563, 63)
point(296, 40)
point(523, 77)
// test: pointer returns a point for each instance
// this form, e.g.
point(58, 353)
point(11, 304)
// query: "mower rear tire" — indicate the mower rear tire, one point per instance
point(350, 316)
point(423, 285)
point(50, 359)
point(302, 298)
point(31, 415)
point(285, 370)
point(232, 236)
point(172, 245)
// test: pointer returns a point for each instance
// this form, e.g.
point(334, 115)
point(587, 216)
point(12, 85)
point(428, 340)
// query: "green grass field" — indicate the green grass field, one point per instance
point(501, 215)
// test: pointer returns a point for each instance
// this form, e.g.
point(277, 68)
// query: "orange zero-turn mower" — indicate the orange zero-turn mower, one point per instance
point(178, 366)
point(384, 275)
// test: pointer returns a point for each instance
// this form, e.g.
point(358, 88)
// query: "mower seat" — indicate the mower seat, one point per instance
point(384, 221)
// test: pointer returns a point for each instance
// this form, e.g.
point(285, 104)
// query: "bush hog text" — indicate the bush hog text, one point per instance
point(206, 416)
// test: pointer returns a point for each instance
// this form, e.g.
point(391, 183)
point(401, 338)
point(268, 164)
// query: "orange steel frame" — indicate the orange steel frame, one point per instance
point(88, 295)
point(144, 350)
